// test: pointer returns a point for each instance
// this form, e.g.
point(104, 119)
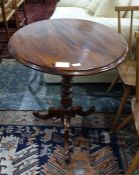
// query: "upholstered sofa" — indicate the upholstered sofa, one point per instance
point(102, 11)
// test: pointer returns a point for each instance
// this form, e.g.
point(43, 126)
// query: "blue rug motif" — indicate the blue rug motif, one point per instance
point(22, 88)
point(39, 150)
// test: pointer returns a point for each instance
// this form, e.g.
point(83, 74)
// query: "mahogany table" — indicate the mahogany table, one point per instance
point(68, 47)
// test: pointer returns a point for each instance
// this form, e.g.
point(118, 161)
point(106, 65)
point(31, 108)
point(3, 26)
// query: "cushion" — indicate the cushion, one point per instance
point(107, 8)
point(93, 5)
point(74, 3)
point(112, 23)
point(80, 13)
point(136, 13)
point(70, 12)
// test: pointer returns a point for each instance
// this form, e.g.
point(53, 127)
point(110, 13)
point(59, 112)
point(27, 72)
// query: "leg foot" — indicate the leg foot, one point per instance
point(85, 113)
point(52, 112)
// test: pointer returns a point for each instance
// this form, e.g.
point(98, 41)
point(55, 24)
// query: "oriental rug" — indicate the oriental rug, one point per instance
point(22, 136)
point(39, 150)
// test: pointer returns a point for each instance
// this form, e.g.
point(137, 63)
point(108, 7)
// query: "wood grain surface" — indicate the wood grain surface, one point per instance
point(81, 47)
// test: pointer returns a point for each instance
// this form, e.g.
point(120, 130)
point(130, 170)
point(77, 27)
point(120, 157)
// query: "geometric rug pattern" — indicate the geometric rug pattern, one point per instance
point(40, 150)
point(25, 89)
point(94, 149)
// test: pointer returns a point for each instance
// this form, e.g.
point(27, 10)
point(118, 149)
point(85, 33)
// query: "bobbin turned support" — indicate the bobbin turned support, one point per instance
point(65, 112)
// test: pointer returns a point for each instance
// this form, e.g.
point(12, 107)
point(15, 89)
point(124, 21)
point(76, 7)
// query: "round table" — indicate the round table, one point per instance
point(68, 47)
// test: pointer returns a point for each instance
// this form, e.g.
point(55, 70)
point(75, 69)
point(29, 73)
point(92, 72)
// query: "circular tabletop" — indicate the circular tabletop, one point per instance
point(68, 47)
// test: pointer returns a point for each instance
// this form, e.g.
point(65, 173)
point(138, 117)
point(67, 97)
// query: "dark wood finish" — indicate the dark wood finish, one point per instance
point(96, 47)
point(66, 111)
point(6, 16)
point(87, 47)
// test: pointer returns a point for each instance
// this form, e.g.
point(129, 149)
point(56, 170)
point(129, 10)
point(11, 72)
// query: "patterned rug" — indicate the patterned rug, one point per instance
point(25, 128)
point(27, 89)
point(39, 150)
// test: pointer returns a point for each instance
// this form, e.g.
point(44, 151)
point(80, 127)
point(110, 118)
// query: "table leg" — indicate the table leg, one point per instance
point(65, 112)
point(66, 102)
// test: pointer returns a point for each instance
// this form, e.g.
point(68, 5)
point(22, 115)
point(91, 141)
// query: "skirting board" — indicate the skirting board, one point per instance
point(105, 77)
